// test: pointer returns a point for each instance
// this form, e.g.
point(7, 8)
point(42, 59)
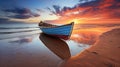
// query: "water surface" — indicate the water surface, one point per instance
point(24, 46)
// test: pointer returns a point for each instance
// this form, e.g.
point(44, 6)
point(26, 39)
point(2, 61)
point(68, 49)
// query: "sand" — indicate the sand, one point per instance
point(104, 53)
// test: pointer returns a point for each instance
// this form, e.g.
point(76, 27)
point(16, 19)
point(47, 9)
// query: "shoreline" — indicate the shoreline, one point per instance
point(104, 53)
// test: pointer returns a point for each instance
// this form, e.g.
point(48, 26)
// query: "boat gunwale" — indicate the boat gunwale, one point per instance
point(58, 26)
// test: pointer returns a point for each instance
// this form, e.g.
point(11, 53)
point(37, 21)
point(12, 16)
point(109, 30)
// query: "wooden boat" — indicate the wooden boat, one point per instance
point(63, 31)
point(56, 45)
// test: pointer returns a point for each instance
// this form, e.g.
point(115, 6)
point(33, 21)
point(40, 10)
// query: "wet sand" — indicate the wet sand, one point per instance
point(104, 53)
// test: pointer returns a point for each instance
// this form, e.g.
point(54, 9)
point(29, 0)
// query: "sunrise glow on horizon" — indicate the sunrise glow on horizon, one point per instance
point(61, 11)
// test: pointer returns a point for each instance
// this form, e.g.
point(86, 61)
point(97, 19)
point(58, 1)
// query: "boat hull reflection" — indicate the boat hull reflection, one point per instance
point(56, 45)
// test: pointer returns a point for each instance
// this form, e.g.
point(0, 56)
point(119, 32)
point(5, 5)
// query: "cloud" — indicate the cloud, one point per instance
point(106, 10)
point(8, 21)
point(40, 10)
point(52, 12)
point(88, 3)
point(21, 16)
point(57, 8)
point(21, 13)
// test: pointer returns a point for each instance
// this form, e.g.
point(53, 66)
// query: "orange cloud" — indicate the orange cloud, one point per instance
point(98, 12)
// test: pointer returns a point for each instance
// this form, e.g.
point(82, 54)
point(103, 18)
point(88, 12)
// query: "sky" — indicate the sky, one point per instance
point(60, 11)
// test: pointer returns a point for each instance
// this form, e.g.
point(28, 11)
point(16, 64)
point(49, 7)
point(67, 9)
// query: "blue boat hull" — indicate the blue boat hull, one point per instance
point(63, 31)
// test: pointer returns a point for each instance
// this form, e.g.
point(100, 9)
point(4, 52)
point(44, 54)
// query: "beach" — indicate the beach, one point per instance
point(104, 53)
point(59, 33)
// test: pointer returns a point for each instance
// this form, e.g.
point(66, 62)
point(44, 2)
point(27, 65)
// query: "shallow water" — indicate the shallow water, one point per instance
point(25, 46)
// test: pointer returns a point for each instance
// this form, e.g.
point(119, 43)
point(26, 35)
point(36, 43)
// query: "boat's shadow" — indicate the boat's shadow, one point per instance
point(56, 45)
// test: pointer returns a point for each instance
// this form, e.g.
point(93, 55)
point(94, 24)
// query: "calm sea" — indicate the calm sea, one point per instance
point(22, 45)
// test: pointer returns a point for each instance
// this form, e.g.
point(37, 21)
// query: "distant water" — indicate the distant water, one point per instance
point(16, 30)
point(21, 46)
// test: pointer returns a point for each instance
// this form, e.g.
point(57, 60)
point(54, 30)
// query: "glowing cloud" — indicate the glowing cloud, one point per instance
point(91, 11)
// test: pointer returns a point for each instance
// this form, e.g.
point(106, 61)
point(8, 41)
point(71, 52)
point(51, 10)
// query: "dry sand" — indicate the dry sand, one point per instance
point(104, 53)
